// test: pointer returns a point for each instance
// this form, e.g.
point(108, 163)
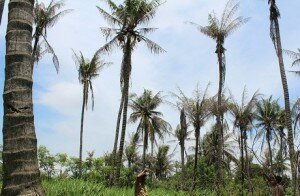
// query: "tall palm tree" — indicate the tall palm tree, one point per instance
point(2, 2)
point(219, 30)
point(87, 71)
point(197, 111)
point(243, 116)
point(150, 120)
point(275, 36)
point(267, 117)
point(45, 18)
point(21, 175)
point(126, 31)
point(295, 56)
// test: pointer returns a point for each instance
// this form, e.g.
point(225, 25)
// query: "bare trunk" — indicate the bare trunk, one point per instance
point(219, 123)
point(269, 148)
point(287, 106)
point(145, 148)
point(20, 166)
point(242, 159)
point(197, 133)
point(127, 70)
point(81, 128)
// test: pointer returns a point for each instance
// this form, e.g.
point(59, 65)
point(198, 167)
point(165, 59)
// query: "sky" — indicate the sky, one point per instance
point(189, 60)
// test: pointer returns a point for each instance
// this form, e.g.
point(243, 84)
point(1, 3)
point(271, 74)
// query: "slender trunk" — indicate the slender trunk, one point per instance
point(126, 72)
point(152, 148)
point(36, 41)
point(281, 153)
point(2, 2)
point(145, 148)
point(287, 107)
point(118, 130)
point(182, 160)
point(219, 123)
point(81, 128)
point(242, 159)
point(197, 133)
point(247, 162)
point(21, 175)
point(269, 148)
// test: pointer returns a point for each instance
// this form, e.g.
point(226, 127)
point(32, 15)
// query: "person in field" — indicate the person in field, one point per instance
point(140, 183)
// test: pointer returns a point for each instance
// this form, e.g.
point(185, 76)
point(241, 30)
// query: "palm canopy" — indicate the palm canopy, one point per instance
point(150, 120)
point(87, 71)
point(266, 118)
point(126, 20)
point(220, 28)
point(243, 113)
point(295, 56)
point(46, 17)
point(196, 108)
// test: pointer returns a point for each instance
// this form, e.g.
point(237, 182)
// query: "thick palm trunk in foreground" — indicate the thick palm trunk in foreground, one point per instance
point(127, 70)
point(20, 165)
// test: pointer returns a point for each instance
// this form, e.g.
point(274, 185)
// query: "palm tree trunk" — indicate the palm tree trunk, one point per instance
point(281, 153)
point(270, 149)
point(145, 148)
point(81, 127)
point(242, 159)
point(2, 2)
point(219, 124)
point(287, 106)
point(20, 166)
point(182, 161)
point(197, 133)
point(127, 70)
point(118, 130)
point(247, 162)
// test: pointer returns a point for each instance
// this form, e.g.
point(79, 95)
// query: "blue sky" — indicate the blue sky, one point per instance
point(190, 59)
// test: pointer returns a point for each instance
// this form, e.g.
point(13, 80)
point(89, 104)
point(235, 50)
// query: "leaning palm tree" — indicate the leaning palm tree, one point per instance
point(45, 18)
point(87, 71)
point(243, 116)
point(295, 56)
point(150, 120)
point(267, 117)
point(275, 36)
point(219, 30)
point(2, 2)
point(197, 111)
point(21, 175)
point(126, 31)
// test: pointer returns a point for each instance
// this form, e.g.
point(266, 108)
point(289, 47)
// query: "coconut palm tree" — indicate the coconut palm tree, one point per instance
point(45, 18)
point(219, 30)
point(131, 150)
point(150, 120)
point(87, 71)
point(243, 116)
point(267, 117)
point(126, 31)
point(295, 56)
point(280, 127)
point(197, 111)
point(275, 36)
point(163, 164)
point(2, 2)
point(21, 175)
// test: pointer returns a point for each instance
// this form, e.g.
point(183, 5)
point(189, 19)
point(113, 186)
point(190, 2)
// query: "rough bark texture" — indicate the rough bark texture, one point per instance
point(118, 130)
point(20, 165)
point(81, 127)
point(219, 123)
point(288, 117)
point(126, 73)
point(2, 2)
point(197, 133)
